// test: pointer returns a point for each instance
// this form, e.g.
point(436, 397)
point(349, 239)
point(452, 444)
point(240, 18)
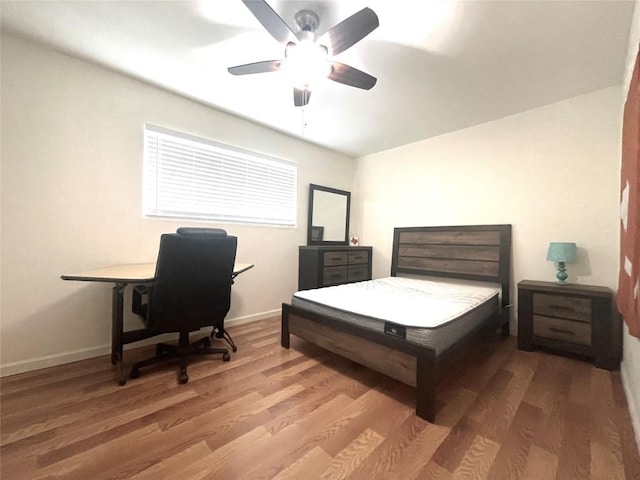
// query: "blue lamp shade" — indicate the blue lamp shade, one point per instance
point(561, 253)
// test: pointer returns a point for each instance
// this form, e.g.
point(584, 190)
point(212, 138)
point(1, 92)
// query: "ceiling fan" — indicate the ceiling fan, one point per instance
point(307, 59)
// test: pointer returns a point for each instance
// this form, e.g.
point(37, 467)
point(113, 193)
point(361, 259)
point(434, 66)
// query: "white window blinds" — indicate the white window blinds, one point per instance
point(191, 177)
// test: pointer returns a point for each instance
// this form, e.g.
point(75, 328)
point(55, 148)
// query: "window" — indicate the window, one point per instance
point(191, 177)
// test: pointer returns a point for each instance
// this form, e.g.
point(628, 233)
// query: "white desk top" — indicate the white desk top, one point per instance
point(132, 272)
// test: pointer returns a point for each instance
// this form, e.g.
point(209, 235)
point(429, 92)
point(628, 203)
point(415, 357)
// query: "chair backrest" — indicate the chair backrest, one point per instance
point(192, 288)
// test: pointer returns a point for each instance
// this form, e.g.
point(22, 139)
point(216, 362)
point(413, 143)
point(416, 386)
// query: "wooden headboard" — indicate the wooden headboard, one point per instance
point(472, 252)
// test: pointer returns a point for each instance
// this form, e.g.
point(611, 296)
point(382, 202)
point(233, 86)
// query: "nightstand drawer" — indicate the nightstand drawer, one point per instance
point(564, 330)
point(358, 257)
point(335, 258)
point(562, 306)
point(334, 276)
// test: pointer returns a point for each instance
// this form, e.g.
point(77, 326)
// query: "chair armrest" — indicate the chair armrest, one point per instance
point(139, 299)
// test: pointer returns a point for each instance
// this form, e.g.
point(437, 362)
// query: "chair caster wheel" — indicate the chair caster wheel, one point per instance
point(226, 357)
point(135, 373)
point(122, 381)
point(234, 349)
point(184, 378)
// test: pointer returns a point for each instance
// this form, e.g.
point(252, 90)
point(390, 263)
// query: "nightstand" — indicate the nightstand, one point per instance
point(570, 318)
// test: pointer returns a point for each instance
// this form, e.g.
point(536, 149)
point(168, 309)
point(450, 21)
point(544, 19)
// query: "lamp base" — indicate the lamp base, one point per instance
point(562, 273)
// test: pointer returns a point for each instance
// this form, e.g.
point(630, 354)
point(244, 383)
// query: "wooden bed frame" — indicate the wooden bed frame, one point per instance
point(473, 252)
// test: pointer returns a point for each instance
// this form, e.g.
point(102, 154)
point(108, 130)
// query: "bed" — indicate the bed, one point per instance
point(478, 253)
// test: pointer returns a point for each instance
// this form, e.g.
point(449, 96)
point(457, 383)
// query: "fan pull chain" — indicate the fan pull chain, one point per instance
point(303, 126)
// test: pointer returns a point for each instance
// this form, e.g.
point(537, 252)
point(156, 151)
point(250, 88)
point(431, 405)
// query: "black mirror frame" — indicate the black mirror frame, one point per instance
point(310, 241)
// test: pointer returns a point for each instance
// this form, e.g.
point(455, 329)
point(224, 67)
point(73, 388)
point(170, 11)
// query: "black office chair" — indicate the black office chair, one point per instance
point(218, 326)
point(191, 290)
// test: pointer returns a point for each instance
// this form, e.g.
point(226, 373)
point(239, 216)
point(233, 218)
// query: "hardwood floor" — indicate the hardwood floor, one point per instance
point(305, 413)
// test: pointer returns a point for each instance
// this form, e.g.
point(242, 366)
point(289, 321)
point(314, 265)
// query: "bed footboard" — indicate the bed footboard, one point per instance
point(407, 363)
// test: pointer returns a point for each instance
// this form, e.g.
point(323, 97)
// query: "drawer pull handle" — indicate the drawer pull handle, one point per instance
point(337, 259)
point(562, 307)
point(561, 330)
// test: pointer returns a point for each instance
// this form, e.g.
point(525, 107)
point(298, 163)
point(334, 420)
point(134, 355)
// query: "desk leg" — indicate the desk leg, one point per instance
point(117, 327)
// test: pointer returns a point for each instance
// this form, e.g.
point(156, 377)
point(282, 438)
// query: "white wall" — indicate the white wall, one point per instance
point(630, 367)
point(71, 200)
point(553, 173)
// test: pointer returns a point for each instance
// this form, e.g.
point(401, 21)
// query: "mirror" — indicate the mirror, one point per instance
point(328, 216)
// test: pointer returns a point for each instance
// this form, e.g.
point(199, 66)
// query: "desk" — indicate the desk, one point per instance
point(121, 276)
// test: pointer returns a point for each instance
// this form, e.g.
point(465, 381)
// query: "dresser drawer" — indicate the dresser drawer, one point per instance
point(322, 266)
point(335, 258)
point(564, 330)
point(334, 275)
point(562, 306)
point(358, 257)
point(357, 273)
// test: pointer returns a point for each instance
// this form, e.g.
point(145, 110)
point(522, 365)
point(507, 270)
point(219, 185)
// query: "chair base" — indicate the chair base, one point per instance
point(182, 351)
point(221, 333)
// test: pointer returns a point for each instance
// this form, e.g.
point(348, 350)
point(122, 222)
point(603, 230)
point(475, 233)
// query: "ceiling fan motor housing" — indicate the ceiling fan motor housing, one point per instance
point(307, 21)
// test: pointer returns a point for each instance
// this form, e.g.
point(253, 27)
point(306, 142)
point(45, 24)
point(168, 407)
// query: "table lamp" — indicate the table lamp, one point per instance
point(561, 253)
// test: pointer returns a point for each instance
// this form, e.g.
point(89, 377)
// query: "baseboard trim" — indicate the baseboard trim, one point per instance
point(47, 361)
point(253, 318)
point(632, 404)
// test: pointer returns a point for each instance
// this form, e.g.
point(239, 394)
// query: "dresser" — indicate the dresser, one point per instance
point(321, 266)
point(570, 318)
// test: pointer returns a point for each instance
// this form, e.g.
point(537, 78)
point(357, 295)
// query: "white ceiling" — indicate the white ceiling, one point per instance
point(441, 65)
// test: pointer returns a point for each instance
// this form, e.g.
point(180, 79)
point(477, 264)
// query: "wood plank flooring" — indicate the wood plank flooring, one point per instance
point(304, 413)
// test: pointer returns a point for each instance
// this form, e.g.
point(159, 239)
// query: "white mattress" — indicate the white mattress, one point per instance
point(435, 313)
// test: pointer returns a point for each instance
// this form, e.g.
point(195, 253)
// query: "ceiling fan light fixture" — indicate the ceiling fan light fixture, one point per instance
point(306, 63)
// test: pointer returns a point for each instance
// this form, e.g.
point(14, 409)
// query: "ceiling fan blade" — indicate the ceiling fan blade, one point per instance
point(257, 67)
point(270, 20)
point(350, 31)
point(353, 77)
point(301, 96)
